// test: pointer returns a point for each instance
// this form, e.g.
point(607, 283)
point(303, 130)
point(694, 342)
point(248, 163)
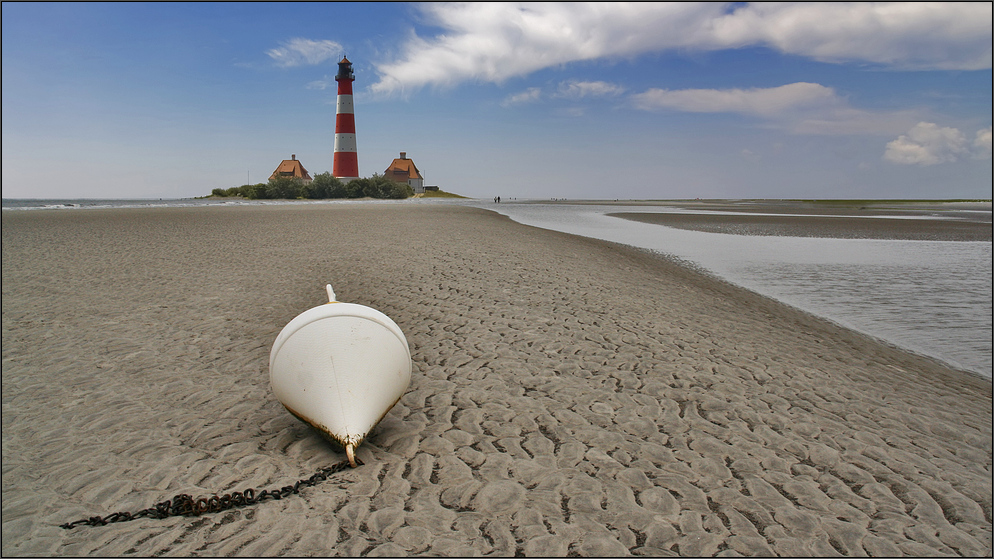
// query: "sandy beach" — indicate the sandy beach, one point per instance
point(569, 397)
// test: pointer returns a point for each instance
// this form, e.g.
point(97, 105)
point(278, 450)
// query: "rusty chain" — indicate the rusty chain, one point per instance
point(185, 505)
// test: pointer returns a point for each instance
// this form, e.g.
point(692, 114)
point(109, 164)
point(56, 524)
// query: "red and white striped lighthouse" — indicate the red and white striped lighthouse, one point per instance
point(346, 165)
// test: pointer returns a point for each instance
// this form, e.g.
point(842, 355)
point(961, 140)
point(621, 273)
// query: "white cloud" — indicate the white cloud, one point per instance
point(845, 120)
point(321, 84)
point(927, 144)
point(756, 101)
point(304, 52)
point(571, 90)
point(800, 108)
point(574, 89)
point(529, 95)
point(907, 35)
point(492, 42)
point(982, 144)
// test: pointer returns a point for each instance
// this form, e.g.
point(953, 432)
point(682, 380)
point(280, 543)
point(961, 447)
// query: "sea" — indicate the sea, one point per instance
point(933, 298)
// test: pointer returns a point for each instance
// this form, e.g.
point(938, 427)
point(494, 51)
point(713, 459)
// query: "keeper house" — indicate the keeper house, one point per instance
point(293, 169)
point(404, 170)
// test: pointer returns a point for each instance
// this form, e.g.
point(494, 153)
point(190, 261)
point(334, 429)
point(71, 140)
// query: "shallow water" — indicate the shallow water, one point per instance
point(929, 297)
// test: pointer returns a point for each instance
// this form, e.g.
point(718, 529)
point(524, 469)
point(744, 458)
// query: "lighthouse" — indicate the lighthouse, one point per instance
point(346, 165)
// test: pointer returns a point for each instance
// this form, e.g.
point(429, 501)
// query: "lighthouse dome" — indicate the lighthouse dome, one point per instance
point(345, 70)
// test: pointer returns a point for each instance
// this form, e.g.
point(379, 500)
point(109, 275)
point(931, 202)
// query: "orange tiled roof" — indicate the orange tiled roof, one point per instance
point(402, 170)
point(291, 168)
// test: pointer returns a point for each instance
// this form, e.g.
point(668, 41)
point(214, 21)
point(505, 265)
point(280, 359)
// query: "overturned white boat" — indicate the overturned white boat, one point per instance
point(340, 367)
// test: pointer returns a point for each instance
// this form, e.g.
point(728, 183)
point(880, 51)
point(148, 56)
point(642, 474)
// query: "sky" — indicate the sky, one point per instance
point(575, 101)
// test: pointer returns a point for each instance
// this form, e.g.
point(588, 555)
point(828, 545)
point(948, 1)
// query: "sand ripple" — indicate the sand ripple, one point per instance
point(569, 397)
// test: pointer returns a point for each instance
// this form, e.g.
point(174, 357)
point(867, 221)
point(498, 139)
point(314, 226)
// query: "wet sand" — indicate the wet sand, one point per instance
point(570, 396)
point(918, 221)
point(838, 227)
point(973, 211)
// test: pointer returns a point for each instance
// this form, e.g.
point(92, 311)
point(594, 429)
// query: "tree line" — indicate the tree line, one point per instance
point(324, 186)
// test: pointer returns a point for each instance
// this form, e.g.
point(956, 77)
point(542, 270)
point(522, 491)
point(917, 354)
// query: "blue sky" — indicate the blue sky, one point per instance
point(581, 101)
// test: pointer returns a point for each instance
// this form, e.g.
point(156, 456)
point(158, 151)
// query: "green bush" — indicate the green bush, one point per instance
point(366, 187)
point(353, 189)
point(397, 190)
point(379, 186)
point(251, 191)
point(284, 188)
point(254, 191)
point(323, 187)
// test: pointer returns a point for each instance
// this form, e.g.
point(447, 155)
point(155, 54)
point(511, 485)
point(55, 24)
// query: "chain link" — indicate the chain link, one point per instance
point(185, 505)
